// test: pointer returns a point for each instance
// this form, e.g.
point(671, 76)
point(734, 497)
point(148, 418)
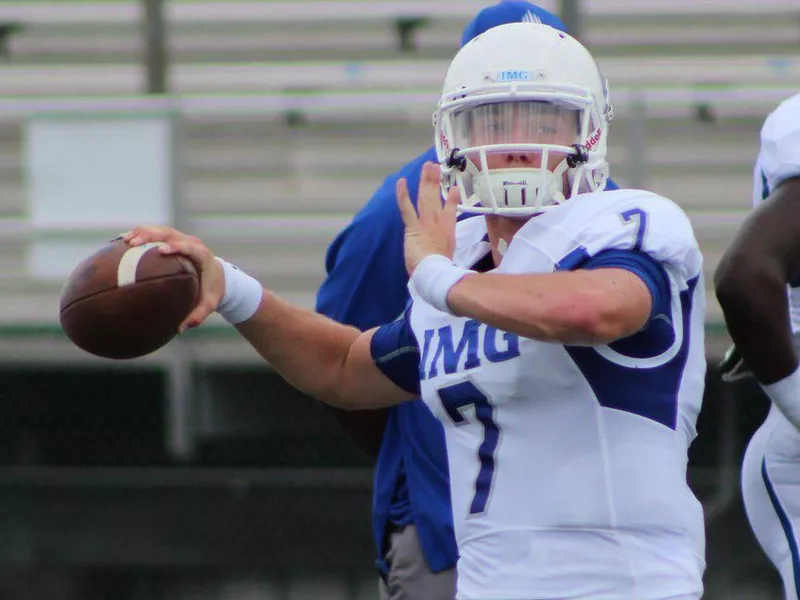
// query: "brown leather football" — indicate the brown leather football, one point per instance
point(125, 301)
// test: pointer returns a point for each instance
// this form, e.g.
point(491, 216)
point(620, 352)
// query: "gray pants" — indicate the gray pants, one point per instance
point(410, 577)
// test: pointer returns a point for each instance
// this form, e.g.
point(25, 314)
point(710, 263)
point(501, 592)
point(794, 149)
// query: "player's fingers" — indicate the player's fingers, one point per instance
point(139, 235)
point(452, 201)
point(211, 290)
point(194, 251)
point(407, 210)
point(151, 233)
point(429, 199)
point(130, 234)
point(200, 313)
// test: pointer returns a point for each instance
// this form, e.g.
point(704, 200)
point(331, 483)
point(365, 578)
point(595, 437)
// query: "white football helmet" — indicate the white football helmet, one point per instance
point(523, 104)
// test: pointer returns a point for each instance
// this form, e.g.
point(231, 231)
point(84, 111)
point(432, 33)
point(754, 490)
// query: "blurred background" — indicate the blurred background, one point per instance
point(262, 126)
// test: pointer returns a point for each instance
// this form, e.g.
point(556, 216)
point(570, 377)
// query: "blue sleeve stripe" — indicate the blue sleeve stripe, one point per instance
point(395, 352)
point(642, 265)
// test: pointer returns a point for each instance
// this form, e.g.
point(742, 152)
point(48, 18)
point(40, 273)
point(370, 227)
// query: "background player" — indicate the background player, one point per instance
point(366, 287)
point(764, 320)
point(568, 377)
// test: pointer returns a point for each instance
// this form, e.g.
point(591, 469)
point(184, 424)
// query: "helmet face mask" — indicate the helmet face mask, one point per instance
point(523, 121)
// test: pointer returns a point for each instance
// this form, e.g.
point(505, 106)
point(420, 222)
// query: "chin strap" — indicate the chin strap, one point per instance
point(556, 191)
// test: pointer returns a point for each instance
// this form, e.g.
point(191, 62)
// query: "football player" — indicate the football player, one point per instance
point(366, 286)
point(765, 327)
point(559, 338)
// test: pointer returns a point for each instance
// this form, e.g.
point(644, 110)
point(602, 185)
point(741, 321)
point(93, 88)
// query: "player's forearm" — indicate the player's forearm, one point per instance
point(753, 298)
point(309, 350)
point(751, 282)
point(575, 308)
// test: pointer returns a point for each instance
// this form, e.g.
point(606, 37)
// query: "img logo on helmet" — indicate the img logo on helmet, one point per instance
point(513, 75)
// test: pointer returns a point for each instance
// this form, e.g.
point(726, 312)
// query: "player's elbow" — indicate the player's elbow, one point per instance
point(731, 276)
point(591, 320)
point(345, 397)
point(616, 322)
point(346, 392)
point(331, 386)
point(339, 395)
point(341, 403)
point(737, 275)
point(729, 288)
point(585, 322)
point(580, 320)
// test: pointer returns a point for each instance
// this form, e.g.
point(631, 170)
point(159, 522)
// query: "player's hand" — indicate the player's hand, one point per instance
point(733, 367)
point(212, 279)
point(431, 227)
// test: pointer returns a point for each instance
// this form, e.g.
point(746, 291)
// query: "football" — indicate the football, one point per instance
point(124, 301)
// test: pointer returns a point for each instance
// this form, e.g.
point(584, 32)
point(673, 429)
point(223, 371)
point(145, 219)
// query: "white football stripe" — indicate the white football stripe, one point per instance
point(126, 272)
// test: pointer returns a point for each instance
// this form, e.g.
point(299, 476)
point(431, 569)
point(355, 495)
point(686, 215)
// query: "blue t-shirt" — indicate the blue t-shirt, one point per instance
point(366, 287)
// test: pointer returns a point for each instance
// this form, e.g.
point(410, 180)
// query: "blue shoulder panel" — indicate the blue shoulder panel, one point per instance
point(396, 353)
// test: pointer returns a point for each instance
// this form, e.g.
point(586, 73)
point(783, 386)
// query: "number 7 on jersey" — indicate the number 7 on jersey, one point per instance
point(464, 395)
point(639, 218)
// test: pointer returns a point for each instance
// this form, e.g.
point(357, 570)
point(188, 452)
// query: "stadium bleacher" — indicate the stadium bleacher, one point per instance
point(294, 111)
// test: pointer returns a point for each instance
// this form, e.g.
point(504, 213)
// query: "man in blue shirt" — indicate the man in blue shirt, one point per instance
point(366, 287)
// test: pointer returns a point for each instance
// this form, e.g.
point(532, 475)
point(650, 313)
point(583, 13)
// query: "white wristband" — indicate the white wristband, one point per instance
point(433, 278)
point(786, 396)
point(242, 294)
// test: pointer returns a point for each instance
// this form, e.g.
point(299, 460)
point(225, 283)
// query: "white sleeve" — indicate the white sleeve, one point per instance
point(648, 223)
point(633, 220)
point(779, 158)
point(471, 241)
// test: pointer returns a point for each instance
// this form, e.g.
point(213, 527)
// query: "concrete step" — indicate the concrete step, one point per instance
point(286, 255)
point(129, 78)
point(246, 41)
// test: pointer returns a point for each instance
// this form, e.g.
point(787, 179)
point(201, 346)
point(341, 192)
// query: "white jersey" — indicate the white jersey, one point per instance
point(778, 160)
point(568, 464)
